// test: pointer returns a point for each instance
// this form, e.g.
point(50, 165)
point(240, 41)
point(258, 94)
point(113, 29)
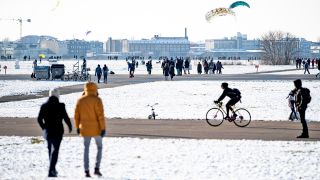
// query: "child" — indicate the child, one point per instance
point(291, 103)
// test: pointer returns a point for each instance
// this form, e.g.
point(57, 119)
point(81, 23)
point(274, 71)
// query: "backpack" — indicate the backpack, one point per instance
point(236, 92)
point(305, 94)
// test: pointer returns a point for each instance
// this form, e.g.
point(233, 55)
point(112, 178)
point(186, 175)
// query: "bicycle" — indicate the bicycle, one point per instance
point(153, 113)
point(215, 116)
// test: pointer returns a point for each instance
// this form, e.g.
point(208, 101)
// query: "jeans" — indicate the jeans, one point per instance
point(53, 149)
point(87, 140)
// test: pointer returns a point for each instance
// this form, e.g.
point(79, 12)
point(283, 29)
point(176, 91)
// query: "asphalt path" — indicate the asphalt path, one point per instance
point(189, 129)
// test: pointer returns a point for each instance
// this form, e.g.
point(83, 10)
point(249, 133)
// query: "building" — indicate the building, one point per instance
point(96, 47)
point(34, 45)
point(114, 45)
point(78, 48)
point(160, 46)
point(237, 47)
point(7, 49)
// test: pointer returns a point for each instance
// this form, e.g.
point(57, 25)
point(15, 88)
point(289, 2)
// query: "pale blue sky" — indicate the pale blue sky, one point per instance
point(144, 18)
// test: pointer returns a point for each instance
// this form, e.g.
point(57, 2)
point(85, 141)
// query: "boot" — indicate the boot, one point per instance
point(97, 172)
point(87, 174)
point(303, 136)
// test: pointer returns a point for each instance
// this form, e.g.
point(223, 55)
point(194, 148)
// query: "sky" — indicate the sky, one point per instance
point(137, 19)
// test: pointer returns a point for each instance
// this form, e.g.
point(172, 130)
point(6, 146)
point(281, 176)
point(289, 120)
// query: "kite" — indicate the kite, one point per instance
point(218, 12)
point(56, 6)
point(239, 3)
point(88, 32)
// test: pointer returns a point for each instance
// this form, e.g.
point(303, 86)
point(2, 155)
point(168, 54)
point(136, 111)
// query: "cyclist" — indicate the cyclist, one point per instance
point(233, 94)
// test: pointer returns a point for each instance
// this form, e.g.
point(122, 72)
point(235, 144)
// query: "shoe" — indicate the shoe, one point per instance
point(53, 173)
point(87, 174)
point(97, 172)
point(234, 116)
point(227, 118)
point(303, 136)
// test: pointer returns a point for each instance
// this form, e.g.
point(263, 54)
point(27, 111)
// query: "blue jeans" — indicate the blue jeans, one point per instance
point(53, 148)
point(86, 141)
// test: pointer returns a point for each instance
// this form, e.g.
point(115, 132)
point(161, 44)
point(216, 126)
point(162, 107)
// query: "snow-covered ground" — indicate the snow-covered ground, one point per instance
point(133, 158)
point(266, 100)
point(20, 87)
point(301, 71)
point(120, 66)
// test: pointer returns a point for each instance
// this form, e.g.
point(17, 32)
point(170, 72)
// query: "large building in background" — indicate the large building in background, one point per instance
point(154, 47)
point(82, 48)
point(237, 47)
point(160, 46)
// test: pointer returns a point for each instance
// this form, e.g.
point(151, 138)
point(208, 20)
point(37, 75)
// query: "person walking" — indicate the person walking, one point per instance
point(90, 123)
point(166, 71)
point(303, 98)
point(199, 68)
point(50, 120)
point(306, 68)
point(171, 70)
point(98, 73)
point(105, 73)
point(149, 66)
point(187, 66)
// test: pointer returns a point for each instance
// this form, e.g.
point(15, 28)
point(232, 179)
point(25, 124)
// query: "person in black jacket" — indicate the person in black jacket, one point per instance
point(234, 98)
point(301, 104)
point(50, 120)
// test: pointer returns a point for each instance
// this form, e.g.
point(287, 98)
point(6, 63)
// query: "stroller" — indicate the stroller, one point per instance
point(294, 115)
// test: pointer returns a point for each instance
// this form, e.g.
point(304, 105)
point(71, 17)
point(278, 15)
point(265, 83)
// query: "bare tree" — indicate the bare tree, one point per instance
point(279, 47)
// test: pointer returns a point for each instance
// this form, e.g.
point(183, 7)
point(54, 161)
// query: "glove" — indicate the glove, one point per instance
point(78, 131)
point(103, 133)
point(216, 102)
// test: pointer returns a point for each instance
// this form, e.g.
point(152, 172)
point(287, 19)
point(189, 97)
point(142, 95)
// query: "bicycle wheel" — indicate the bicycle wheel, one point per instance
point(243, 118)
point(214, 117)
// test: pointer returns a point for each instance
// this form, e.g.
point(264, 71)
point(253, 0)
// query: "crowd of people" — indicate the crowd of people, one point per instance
point(307, 63)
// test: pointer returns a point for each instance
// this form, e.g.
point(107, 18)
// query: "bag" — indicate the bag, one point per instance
point(236, 92)
point(305, 94)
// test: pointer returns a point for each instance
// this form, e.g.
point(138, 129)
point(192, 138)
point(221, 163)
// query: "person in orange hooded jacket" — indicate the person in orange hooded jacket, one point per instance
point(90, 123)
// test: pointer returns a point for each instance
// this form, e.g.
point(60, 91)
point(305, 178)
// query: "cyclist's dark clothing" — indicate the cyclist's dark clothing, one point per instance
point(229, 92)
point(234, 98)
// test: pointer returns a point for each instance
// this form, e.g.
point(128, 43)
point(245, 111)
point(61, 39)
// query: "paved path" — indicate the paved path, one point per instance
point(120, 80)
point(193, 129)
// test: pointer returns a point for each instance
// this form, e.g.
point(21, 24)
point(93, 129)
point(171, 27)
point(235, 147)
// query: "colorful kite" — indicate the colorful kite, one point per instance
point(88, 32)
point(218, 12)
point(56, 6)
point(239, 3)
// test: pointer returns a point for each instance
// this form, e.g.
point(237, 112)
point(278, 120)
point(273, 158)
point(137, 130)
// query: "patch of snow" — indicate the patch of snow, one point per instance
point(134, 158)
point(266, 100)
point(21, 87)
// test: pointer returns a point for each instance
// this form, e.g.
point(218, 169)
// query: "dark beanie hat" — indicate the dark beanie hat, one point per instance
point(297, 83)
point(224, 85)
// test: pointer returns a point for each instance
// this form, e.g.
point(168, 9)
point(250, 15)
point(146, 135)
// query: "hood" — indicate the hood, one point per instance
point(90, 88)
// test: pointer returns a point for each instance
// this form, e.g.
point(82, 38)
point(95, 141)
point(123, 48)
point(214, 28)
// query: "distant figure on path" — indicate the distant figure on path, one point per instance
point(171, 70)
point(50, 120)
point(199, 68)
point(105, 73)
point(149, 67)
point(306, 68)
point(166, 70)
point(98, 73)
point(90, 123)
